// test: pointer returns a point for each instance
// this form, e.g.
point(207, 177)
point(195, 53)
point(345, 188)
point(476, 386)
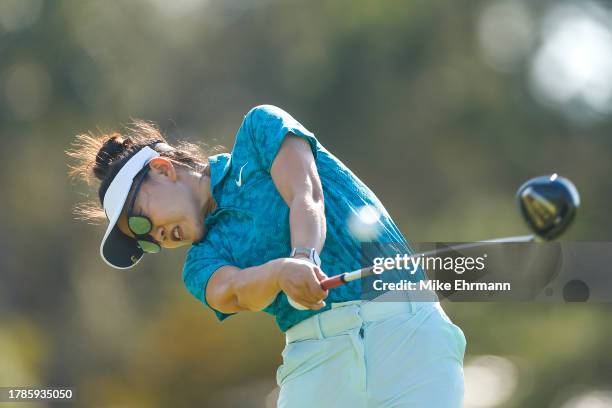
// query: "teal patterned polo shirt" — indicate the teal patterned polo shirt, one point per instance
point(251, 223)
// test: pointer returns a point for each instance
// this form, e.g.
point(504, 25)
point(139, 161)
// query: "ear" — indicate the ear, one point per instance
point(162, 167)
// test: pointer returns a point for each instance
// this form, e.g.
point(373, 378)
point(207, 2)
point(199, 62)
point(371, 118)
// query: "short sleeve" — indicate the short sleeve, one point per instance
point(201, 263)
point(267, 127)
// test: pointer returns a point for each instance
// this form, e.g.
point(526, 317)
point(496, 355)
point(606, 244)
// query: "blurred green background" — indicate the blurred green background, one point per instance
point(442, 108)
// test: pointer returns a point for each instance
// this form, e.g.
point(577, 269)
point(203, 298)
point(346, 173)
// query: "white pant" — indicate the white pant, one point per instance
point(374, 354)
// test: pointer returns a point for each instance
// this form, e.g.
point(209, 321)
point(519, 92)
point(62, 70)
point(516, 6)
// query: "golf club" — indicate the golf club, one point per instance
point(548, 205)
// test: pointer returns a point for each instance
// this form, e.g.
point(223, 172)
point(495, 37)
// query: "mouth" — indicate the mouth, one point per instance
point(177, 234)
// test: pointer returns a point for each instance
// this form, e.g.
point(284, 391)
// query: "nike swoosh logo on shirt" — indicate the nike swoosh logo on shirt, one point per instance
point(239, 181)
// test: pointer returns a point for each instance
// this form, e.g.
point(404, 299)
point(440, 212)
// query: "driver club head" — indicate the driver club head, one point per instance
point(548, 205)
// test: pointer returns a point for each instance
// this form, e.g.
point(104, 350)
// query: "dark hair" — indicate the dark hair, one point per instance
point(100, 157)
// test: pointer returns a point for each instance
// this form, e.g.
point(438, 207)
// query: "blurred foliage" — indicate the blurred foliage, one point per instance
point(396, 90)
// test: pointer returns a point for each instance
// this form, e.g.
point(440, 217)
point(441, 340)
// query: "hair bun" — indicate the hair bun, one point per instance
point(110, 151)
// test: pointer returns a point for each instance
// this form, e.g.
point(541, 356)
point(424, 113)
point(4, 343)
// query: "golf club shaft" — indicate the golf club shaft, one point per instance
point(346, 277)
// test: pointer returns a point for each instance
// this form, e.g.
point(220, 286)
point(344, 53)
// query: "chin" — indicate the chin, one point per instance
point(183, 243)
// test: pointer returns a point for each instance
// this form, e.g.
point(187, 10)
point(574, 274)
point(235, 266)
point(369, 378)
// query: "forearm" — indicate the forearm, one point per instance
point(296, 177)
point(307, 223)
point(232, 290)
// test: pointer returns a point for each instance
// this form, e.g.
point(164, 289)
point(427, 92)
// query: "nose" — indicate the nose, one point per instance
point(159, 234)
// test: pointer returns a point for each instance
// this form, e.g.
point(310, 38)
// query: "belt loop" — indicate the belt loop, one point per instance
point(410, 301)
point(360, 313)
point(317, 323)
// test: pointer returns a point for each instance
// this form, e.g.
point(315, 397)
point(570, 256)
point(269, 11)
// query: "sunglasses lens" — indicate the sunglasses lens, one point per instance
point(149, 247)
point(140, 225)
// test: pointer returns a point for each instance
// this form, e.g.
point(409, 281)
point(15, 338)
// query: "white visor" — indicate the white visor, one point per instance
point(117, 249)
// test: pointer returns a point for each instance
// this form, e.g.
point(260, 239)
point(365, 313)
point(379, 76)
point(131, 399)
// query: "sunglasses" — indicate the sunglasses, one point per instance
point(140, 225)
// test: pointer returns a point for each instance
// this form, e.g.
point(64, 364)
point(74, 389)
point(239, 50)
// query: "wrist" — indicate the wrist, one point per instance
point(302, 257)
point(309, 254)
point(276, 267)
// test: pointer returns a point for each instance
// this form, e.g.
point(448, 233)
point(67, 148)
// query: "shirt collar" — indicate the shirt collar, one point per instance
point(219, 167)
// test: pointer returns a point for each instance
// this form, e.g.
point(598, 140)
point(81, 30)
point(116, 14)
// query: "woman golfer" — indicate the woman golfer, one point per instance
point(266, 224)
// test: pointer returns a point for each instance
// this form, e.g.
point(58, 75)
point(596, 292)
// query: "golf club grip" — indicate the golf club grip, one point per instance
point(334, 282)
